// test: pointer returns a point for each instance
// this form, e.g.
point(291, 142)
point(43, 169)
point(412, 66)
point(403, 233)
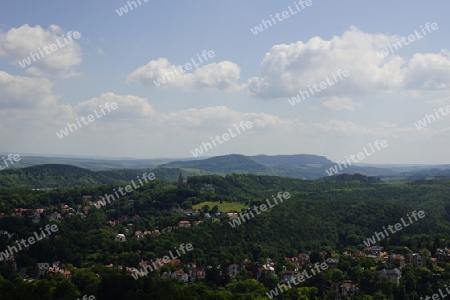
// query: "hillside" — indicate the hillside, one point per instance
point(296, 159)
point(63, 176)
point(51, 176)
point(222, 164)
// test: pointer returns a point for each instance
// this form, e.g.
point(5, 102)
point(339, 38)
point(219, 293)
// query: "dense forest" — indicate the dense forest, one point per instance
point(322, 218)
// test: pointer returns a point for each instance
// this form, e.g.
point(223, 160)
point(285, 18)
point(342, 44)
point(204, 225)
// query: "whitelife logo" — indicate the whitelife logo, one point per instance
point(360, 156)
point(322, 85)
point(188, 66)
point(411, 38)
point(124, 9)
point(397, 226)
point(11, 157)
point(284, 15)
point(165, 260)
point(128, 189)
point(438, 296)
point(225, 137)
point(65, 132)
point(423, 122)
point(262, 207)
point(35, 56)
point(300, 277)
point(85, 297)
point(49, 229)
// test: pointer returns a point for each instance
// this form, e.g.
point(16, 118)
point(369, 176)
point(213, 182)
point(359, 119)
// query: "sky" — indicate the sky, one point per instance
point(103, 78)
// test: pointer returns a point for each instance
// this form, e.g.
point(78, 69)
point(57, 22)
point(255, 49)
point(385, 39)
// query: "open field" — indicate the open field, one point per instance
point(224, 207)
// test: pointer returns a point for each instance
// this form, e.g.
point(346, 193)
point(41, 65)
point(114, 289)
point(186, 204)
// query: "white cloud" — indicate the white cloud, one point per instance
point(17, 92)
point(18, 43)
point(129, 107)
point(339, 104)
point(221, 76)
point(286, 69)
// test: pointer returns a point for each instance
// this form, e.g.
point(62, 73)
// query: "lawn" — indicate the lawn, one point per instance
point(224, 207)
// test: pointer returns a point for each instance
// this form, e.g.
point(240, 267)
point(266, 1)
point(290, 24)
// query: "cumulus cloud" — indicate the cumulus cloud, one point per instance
point(18, 43)
point(161, 73)
point(339, 104)
point(17, 92)
point(128, 106)
point(286, 69)
point(429, 71)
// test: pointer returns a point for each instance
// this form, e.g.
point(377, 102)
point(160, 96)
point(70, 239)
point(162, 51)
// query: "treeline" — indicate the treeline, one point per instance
point(66, 176)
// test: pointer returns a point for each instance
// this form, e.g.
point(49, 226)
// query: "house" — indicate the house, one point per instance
point(196, 275)
point(181, 276)
point(4, 232)
point(347, 253)
point(233, 269)
point(303, 259)
point(138, 234)
point(55, 217)
point(287, 276)
point(232, 215)
point(36, 218)
point(175, 262)
point(188, 211)
point(267, 269)
point(397, 260)
point(418, 260)
point(41, 269)
point(344, 288)
point(434, 261)
point(186, 224)
point(376, 250)
point(121, 237)
point(393, 275)
point(359, 254)
point(208, 188)
point(332, 262)
point(375, 258)
point(207, 216)
point(442, 255)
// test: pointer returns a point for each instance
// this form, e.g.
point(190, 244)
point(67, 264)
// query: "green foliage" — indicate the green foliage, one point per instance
point(329, 215)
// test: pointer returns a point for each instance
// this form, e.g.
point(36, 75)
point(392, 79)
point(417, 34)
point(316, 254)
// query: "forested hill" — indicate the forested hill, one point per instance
point(223, 164)
point(51, 176)
point(304, 166)
point(62, 176)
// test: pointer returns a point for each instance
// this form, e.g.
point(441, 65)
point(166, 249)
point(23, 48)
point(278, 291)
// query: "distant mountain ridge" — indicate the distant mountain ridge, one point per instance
point(291, 159)
point(225, 163)
point(305, 166)
point(66, 172)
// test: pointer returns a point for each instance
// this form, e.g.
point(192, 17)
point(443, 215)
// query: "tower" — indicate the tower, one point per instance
point(180, 181)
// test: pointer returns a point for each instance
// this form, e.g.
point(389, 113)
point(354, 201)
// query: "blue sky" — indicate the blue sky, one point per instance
point(250, 78)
